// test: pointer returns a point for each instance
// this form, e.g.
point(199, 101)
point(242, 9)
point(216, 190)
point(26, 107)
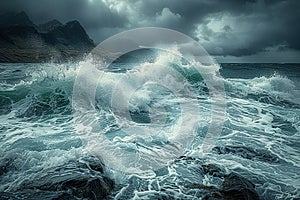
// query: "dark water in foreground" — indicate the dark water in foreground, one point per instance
point(42, 157)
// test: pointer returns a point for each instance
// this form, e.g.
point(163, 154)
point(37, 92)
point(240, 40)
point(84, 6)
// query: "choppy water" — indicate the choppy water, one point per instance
point(42, 156)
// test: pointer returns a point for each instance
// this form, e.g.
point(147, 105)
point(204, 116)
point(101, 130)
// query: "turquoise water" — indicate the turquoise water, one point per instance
point(41, 152)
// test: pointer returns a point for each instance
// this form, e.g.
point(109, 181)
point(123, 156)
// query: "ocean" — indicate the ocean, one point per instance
point(43, 156)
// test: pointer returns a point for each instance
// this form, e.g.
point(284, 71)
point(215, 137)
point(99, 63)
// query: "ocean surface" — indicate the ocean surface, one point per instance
point(43, 157)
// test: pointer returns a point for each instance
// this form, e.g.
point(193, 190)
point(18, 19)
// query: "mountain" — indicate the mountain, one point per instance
point(49, 26)
point(23, 41)
point(69, 36)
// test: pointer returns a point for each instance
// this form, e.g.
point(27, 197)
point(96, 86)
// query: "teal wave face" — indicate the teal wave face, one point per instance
point(40, 148)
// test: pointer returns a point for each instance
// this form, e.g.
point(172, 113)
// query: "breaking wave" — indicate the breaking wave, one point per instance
point(43, 155)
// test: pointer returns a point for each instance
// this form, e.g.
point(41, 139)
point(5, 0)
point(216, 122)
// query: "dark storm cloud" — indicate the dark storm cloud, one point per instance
point(192, 12)
point(226, 28)
point(245, 28)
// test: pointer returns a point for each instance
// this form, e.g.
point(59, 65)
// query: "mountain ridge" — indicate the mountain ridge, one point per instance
point(48, 26)
point(23, 41)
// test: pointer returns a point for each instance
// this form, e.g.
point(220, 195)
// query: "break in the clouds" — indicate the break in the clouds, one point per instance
point(235, 30)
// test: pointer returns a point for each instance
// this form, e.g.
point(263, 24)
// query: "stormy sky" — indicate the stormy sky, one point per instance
point(231, 30)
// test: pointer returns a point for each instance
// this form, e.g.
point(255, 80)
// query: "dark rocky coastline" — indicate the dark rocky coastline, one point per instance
point(21, 41)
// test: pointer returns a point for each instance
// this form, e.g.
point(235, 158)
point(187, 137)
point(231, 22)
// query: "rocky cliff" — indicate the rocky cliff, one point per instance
point(23, 41)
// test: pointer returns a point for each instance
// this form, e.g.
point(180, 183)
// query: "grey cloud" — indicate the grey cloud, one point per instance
point(254, 32)
point(258, 24)
point(245, 27)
